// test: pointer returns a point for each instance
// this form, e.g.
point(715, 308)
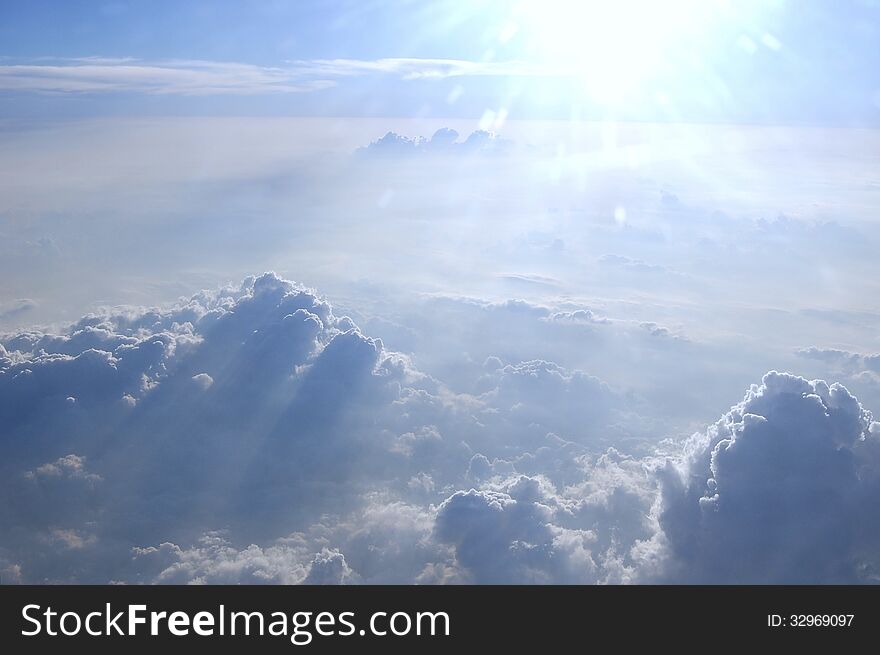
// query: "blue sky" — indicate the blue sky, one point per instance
point(777, 62)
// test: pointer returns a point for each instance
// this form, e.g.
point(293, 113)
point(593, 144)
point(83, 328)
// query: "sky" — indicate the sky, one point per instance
point(718, 61)
point(440, 292)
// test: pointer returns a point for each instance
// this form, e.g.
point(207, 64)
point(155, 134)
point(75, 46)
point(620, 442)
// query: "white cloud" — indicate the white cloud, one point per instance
point(69, 466)
point(200, 78)
point(782, 489)
point(252, 434)
point(411, 68)
point(329, 567)
point(444, 141)
point(214, 561)
point(509, 535)
point(843, 360)
point(191, 78)
point(203, 380)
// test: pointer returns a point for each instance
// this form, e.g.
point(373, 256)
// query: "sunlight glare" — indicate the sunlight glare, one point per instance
point(612, 47)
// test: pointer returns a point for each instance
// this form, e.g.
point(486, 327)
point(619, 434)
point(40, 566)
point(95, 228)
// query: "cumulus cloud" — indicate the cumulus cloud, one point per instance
point(781, 489)
point(253, 434)
point(329, 567)
point(250, 382)
point(69, 466)
point(444, 141)
point(213, 560)
point(843, 360)
point(544, 397)
point(577, 317)
point(509, 535)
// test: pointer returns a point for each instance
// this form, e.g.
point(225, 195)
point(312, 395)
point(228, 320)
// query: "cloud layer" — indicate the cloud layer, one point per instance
point(251, 434)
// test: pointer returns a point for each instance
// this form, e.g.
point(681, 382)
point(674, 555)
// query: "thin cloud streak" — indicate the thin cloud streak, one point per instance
point(194, 78)
point(414, 68)
point(171, 78)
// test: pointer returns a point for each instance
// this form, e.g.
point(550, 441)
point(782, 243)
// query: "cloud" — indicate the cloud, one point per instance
point(69, 467)
point(268, 413)
point(387, 542)
point(452, 337)
point(203, 380)
point(576, 317)
point(253, 434)
point(519, 279)
point(249, 382)
point(629, 264)
point(200, 78)
point(782, 489)
point(512, 534)
point(189, 78)
point(843, 360)
point(540, 397)
point(411, 68)
point(215, 561)
point(659, 331)
point(329, 567)
point(255, 403)
point(445, 141)
point(16, 308)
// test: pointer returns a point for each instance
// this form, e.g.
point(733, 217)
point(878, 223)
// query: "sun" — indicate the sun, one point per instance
point(612, 47)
